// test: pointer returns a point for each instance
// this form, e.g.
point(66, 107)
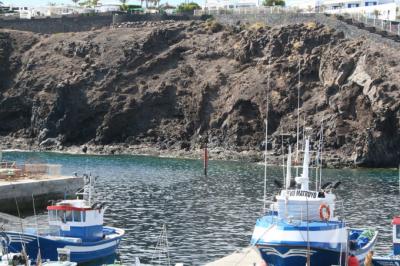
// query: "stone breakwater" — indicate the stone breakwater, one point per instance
point(170, 87)
point(43, 189)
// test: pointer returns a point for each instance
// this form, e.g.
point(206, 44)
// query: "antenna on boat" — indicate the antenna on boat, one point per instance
point(308, 235)
point(304, 129)
point(298, 118)
point(320, 152)
point(303, 179)
point(288, 168)
point(265, 164)
point(266, 142)
point(88, 188)
point(283, 158)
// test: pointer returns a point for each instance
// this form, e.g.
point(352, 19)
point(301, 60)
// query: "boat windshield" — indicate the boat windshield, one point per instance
point(67, 216)
point(397, 231)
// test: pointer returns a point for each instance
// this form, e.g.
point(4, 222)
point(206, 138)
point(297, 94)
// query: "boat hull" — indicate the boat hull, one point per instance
point(79, 252)
point(297, 255)
point(284, 243)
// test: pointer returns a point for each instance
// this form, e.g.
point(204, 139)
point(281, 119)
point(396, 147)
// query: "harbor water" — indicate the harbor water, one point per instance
point(210, 217)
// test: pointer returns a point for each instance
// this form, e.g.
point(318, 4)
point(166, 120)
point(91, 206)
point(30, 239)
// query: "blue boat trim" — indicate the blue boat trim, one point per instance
point(302, 226)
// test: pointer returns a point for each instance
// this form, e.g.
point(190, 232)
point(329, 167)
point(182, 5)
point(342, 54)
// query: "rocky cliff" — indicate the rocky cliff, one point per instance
point(168, 85)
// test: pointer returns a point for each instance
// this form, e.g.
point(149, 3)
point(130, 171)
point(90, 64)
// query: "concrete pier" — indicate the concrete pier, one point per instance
point(43, 188)
point(246, 257)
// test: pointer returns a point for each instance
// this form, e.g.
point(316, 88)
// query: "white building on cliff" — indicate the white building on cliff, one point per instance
point(230, 4)
point(380, 9)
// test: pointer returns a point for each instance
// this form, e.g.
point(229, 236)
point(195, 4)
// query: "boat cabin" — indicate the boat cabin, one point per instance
point(396, 235)
point(301, 203)
point(74, 219)
point(308, 205)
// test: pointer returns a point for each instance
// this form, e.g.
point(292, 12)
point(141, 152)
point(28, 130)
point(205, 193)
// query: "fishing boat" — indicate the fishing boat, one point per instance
point(75, 227)
point(301, 226)
point(392, 259)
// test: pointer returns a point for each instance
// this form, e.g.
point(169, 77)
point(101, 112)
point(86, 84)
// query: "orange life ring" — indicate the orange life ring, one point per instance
point(324, 212)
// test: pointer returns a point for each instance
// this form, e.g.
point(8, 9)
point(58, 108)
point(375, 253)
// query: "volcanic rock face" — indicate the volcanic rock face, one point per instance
point(168, 85)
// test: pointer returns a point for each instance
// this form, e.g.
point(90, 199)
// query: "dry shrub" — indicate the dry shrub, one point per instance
point(297, 45)
point(212, 25)
point(237, 45)
point(257, 26)
point(311, 25)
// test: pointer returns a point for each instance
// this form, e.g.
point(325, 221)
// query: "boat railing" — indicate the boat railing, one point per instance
point(28, 225)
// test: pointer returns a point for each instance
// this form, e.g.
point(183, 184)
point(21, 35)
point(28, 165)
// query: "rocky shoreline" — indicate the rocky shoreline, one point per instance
point(330, 160)
point(163, 89)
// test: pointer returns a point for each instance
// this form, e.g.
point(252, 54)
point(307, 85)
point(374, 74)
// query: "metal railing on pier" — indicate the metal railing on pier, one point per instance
point(9, 170)
point(369, 22)
point(373, 23)
point(262, 10)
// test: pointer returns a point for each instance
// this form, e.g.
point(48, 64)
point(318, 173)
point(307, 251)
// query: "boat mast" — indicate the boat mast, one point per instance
point(308, 238)
point(39, 254)
point(303, 179)
point(298, 120)
point(283, 160)
point(266, 144)
point(90, 190)
point(288, 168)
point(321, 149)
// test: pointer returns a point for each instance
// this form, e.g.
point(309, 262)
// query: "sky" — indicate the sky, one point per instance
point(45, 2)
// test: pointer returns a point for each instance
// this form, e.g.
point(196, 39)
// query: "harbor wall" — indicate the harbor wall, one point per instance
point(43, 190)
point(81, 23)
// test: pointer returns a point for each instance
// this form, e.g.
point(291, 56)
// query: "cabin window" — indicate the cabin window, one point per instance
point(77, 216)
point(83, 216)
point(52, 215)
point(397, 231)
point(61, 215)
point(68, 216)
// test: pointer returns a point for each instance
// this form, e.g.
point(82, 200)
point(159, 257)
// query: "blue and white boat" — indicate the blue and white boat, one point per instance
point(392, 259)
point(302, 227)
point(75, 228)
